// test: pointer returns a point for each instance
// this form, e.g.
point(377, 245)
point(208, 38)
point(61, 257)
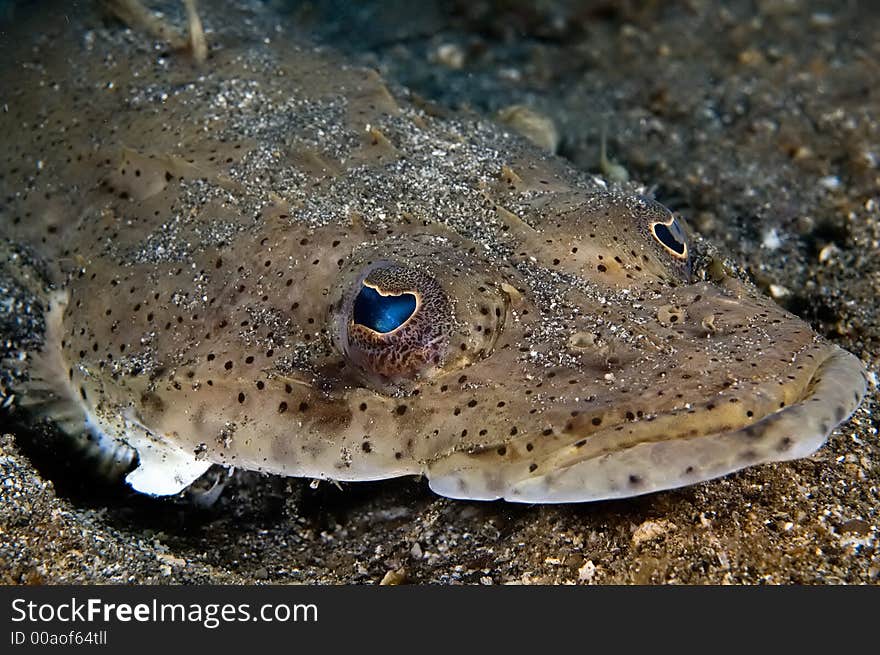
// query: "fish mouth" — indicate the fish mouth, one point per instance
point(665, 453)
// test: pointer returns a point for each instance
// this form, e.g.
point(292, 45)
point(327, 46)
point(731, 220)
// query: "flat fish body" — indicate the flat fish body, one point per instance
point(274, 261)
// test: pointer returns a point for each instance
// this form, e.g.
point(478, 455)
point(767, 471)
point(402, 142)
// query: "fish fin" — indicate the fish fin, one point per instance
point(564, 475)
point(44, 392)
point(135, 15)
point(163, 469)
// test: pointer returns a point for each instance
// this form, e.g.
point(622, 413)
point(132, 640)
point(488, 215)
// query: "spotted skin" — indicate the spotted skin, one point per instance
point(207, 228)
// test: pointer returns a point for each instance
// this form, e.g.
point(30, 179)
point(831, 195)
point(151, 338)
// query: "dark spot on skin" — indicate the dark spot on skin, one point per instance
point(689, 470)
point(241, 396)
point(825, 427)
point(367, 447)
point(596, 421)
point(152, 402)
point(282, 407)
point(502, 451)
point(401, 410)
point(839, 413)
point(784, 444)
point(635, 480)
point(533, 467)
point(580, 444)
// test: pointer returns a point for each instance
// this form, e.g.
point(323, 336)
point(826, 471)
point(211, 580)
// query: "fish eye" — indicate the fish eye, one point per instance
point(394, 322)
point(671, 236)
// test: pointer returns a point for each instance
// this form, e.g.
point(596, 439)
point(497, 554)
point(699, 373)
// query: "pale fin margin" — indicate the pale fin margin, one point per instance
point(164, 470)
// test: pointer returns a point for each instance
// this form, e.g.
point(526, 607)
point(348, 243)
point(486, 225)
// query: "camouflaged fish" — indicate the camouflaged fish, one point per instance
point(274, 261)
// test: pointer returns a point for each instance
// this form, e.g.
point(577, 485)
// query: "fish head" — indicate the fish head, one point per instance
point(589, 361)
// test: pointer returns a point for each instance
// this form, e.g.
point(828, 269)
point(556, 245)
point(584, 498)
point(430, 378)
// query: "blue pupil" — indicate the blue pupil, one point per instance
point(382, 313)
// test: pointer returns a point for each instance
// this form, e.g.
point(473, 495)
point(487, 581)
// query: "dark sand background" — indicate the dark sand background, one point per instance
point(758, 122)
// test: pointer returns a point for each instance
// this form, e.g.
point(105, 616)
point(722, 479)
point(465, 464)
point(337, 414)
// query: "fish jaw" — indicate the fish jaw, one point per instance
point(585, 471)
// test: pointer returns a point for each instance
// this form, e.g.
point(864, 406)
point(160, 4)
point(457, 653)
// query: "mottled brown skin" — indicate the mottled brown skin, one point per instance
point(206, 225)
